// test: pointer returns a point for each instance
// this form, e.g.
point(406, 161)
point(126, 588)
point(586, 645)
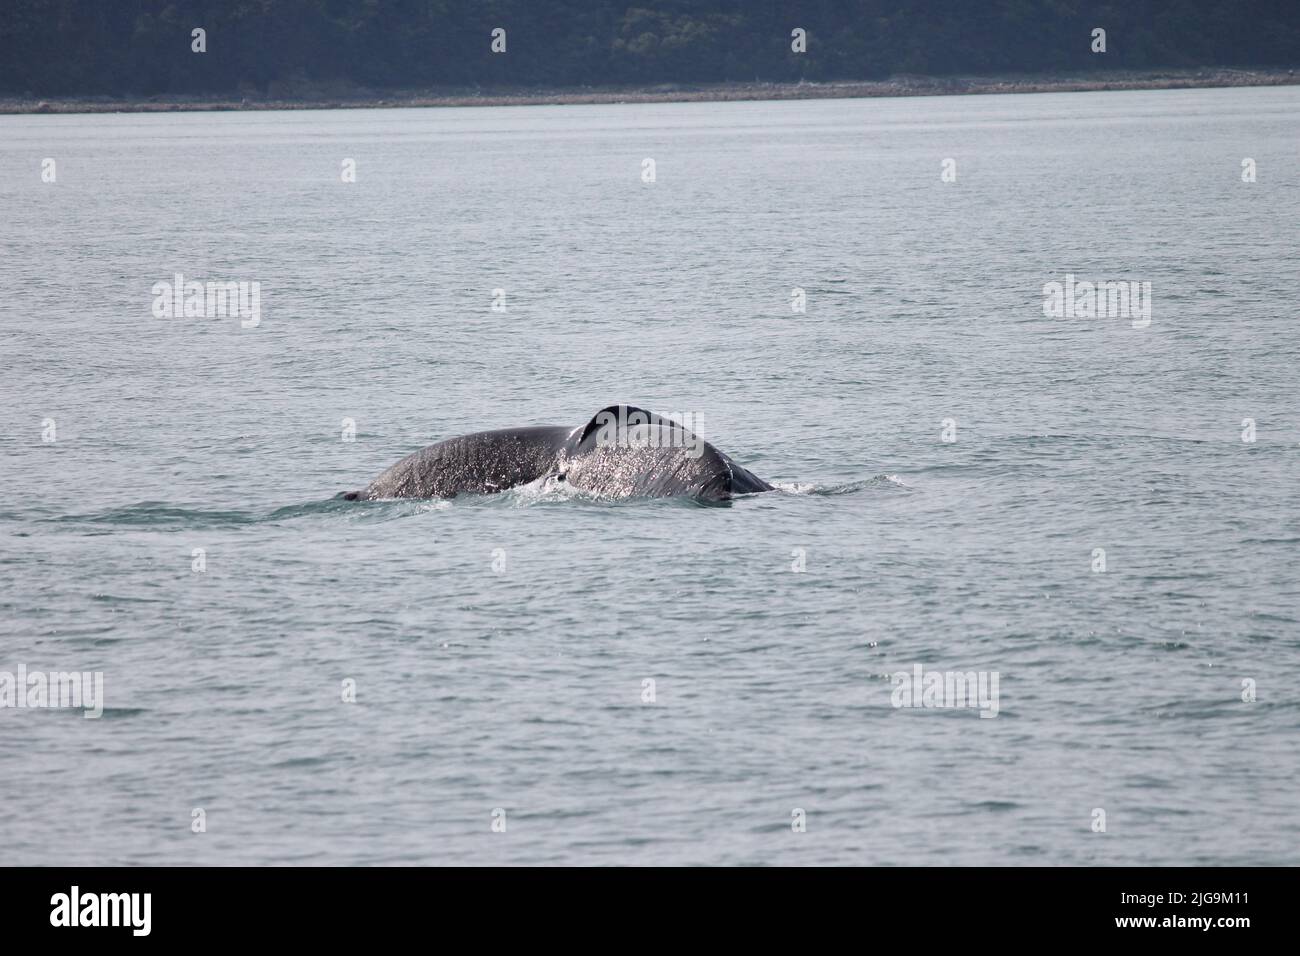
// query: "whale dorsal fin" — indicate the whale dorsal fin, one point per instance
point(631, 414)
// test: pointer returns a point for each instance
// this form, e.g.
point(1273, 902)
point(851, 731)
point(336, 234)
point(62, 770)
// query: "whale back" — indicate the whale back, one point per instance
point(622, 452)
point(480, 463)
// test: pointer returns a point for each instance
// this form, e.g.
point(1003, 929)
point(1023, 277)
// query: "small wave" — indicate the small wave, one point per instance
point(546, 490)
point(380, 509)
point(160, 514)
point(995, 806)
point(118, 713)
point(877, 483)
point(153, 513)
point(124, 599)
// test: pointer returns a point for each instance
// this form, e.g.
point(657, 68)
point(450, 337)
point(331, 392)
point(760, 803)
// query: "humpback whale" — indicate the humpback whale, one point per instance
point(621, 452)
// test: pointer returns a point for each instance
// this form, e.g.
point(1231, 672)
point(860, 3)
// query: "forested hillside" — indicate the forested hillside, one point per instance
point(141, 47)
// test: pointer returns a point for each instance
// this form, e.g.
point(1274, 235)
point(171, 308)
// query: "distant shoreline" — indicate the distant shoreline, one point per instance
point(309, 96)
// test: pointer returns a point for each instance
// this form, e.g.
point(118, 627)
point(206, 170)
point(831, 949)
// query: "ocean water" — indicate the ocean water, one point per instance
point(500, 647)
